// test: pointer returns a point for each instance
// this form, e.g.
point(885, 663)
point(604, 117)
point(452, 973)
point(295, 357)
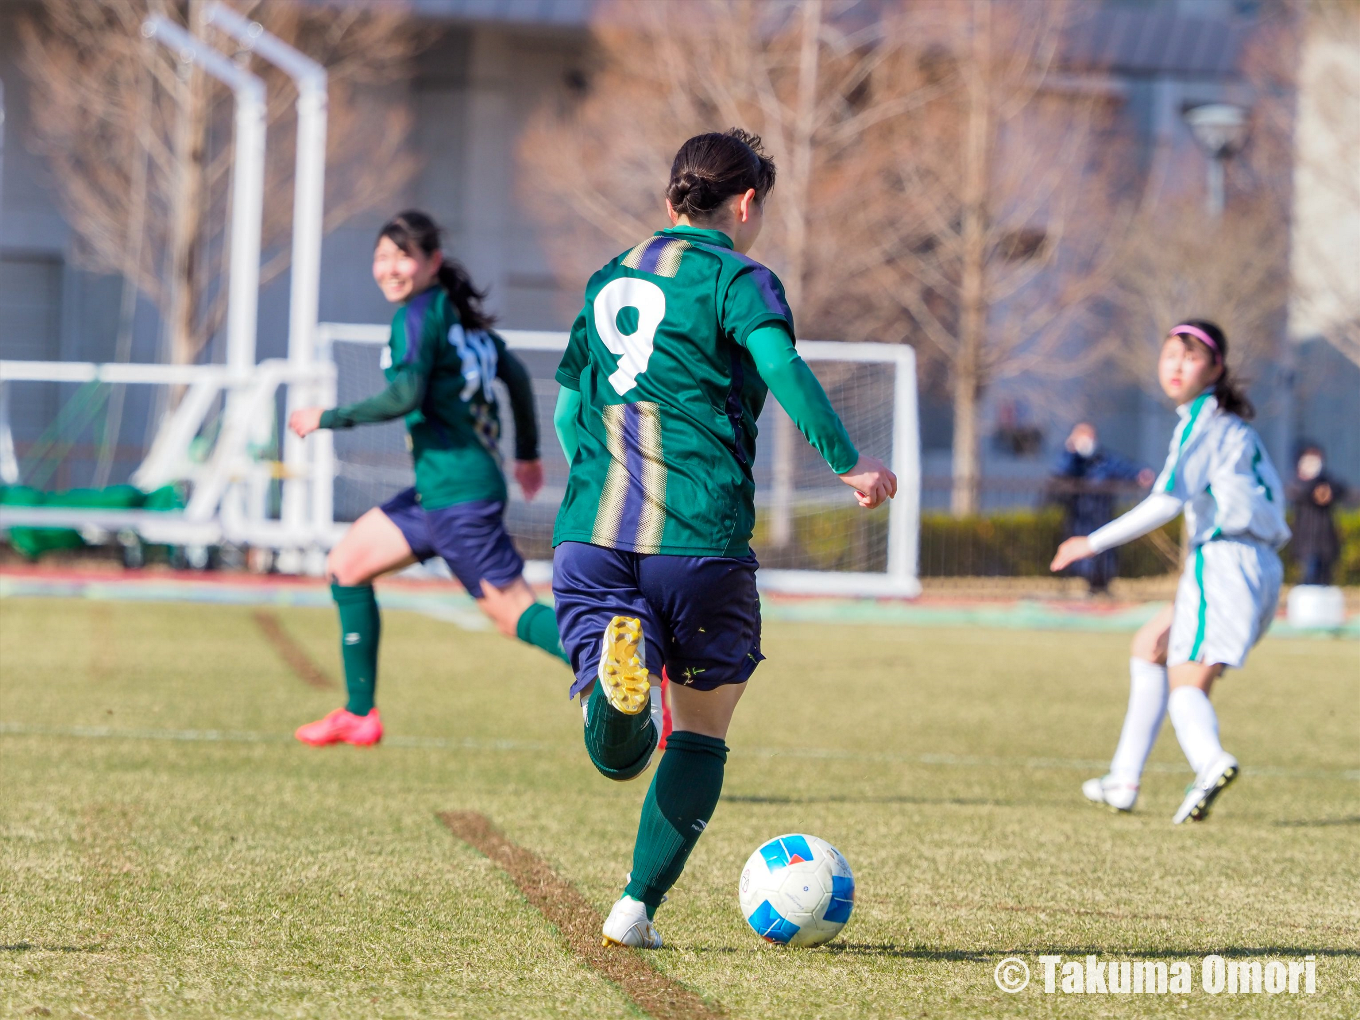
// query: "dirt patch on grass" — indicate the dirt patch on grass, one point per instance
point(559, 901)
point(291, 652)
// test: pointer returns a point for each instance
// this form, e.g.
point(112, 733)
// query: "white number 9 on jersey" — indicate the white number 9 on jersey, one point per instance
point(635, 349)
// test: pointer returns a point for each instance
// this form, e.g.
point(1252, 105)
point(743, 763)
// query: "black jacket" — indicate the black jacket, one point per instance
point(1314, 530)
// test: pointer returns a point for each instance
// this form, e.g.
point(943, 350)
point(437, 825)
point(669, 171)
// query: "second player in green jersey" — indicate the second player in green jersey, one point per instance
point(440, 365)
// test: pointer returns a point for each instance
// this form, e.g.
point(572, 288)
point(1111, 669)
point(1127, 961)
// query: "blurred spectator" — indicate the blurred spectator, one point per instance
point(1315, 494)
point(1085, 482)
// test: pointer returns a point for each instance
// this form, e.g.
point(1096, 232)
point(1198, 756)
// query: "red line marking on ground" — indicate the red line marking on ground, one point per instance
point(563, 906)
point(291, 652)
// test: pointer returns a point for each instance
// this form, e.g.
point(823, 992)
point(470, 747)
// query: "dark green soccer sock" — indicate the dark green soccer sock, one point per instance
point(619, 744)
point(360, 627)
point(537, 626)
point(681, 800)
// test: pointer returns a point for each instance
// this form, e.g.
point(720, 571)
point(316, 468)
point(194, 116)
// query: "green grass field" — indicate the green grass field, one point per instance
point(149, 871)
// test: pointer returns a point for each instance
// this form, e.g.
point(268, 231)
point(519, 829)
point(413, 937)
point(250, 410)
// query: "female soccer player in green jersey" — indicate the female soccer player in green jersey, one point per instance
point(665, 374)
point(440, 364)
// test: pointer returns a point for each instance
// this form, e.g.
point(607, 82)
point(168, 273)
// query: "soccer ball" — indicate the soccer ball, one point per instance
point(797, 890)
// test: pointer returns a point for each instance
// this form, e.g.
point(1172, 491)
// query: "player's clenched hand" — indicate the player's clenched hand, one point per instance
point(529, 474)
point(1076, 548)
point(305, 420)
point(872, 482)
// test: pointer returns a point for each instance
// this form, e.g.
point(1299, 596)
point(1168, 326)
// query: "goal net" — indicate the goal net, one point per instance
point(810, 536)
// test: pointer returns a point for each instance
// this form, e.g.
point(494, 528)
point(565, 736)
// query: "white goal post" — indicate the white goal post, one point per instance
point(840, 550)
point(829, 546)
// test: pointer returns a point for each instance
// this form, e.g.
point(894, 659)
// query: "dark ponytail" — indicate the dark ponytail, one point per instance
point(412, 231)
point(1231, 393)
point(711, 168)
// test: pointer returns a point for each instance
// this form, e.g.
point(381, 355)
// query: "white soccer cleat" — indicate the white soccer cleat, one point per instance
point(1201, 794)
point(1116, 794)
point(629, 925)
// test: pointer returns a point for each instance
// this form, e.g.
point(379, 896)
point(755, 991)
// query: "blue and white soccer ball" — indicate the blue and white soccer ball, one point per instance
point(797, 890)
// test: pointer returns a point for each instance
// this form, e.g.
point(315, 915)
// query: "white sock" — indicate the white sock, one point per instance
point(1142, 721)
point(1196, 726)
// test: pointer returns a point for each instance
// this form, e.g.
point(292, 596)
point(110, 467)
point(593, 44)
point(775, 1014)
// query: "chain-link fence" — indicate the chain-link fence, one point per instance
point(1020, 540)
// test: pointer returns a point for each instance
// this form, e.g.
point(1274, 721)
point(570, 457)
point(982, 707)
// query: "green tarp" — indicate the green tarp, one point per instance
point(33, 542)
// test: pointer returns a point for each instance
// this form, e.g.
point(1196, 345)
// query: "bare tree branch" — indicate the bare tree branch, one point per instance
point(1000, 205)
point(88, 63)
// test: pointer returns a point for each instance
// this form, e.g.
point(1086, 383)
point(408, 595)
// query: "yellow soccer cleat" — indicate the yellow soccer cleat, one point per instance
point(623, 665)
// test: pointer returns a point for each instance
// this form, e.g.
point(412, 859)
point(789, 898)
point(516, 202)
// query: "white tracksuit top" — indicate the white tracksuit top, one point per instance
point(1218, 471)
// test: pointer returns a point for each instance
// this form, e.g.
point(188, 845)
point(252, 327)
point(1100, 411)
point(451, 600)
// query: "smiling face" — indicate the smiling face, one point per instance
point(1186, 368)
point(399, 274)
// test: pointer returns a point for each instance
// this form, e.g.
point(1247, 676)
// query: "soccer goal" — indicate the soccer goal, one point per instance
point(810, 536)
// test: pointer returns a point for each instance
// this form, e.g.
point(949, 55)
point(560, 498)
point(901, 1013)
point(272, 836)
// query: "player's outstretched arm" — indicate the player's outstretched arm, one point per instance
point(564, 420)
point(402, 396)
point(872, 481)
point(802, 397)
point(1078, 547)
point(1149, 515)
point(306, 420)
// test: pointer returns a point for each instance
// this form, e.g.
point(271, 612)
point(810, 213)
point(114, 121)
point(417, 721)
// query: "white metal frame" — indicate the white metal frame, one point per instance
point(904, 513)
point(247, 197)
point(309, 191)
point(212, 516)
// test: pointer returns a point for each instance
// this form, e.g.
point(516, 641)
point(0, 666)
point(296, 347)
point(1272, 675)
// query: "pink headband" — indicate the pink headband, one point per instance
point(1198, 334)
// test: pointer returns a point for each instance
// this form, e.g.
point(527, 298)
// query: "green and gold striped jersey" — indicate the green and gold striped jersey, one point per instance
point(669, 397)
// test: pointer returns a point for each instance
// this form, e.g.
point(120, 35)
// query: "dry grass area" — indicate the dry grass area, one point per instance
point(166, 849)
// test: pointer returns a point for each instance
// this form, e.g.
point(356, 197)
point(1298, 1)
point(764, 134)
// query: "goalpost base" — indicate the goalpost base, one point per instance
point(837, 584)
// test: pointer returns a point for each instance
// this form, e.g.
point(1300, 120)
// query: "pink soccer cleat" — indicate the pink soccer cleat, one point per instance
point(666, 724)
point(342, 727)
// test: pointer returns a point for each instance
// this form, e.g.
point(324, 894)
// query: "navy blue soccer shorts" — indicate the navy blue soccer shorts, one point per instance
point(470, 537)
point(700, 614)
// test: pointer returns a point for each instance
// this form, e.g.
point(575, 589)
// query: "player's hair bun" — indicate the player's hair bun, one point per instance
point(692, 193)
point(711, 168)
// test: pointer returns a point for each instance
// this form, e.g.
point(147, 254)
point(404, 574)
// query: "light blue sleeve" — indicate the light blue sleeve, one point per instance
point(564, 420)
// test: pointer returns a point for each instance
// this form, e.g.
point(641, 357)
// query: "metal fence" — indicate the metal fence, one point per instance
point(1024, 521)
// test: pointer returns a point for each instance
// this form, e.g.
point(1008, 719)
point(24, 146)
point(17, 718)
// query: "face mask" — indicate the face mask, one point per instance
point(1310, 466)
point(1084, 446)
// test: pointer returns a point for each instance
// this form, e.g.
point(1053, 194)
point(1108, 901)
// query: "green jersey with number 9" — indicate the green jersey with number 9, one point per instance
point(669, 397)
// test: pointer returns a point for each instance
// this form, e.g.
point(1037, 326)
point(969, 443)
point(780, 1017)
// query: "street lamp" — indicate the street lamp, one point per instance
point(1220, 129)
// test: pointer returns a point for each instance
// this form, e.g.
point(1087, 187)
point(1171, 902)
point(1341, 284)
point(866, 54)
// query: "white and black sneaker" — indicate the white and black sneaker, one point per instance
point(629, 925)
point(1115, 794)
point(1201, 794)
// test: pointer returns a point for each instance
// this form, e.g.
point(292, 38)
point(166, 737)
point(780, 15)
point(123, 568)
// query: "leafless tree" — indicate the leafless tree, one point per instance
point(1180, 260)
point(808, 76)
point(1005, 222)
point(141, 147)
